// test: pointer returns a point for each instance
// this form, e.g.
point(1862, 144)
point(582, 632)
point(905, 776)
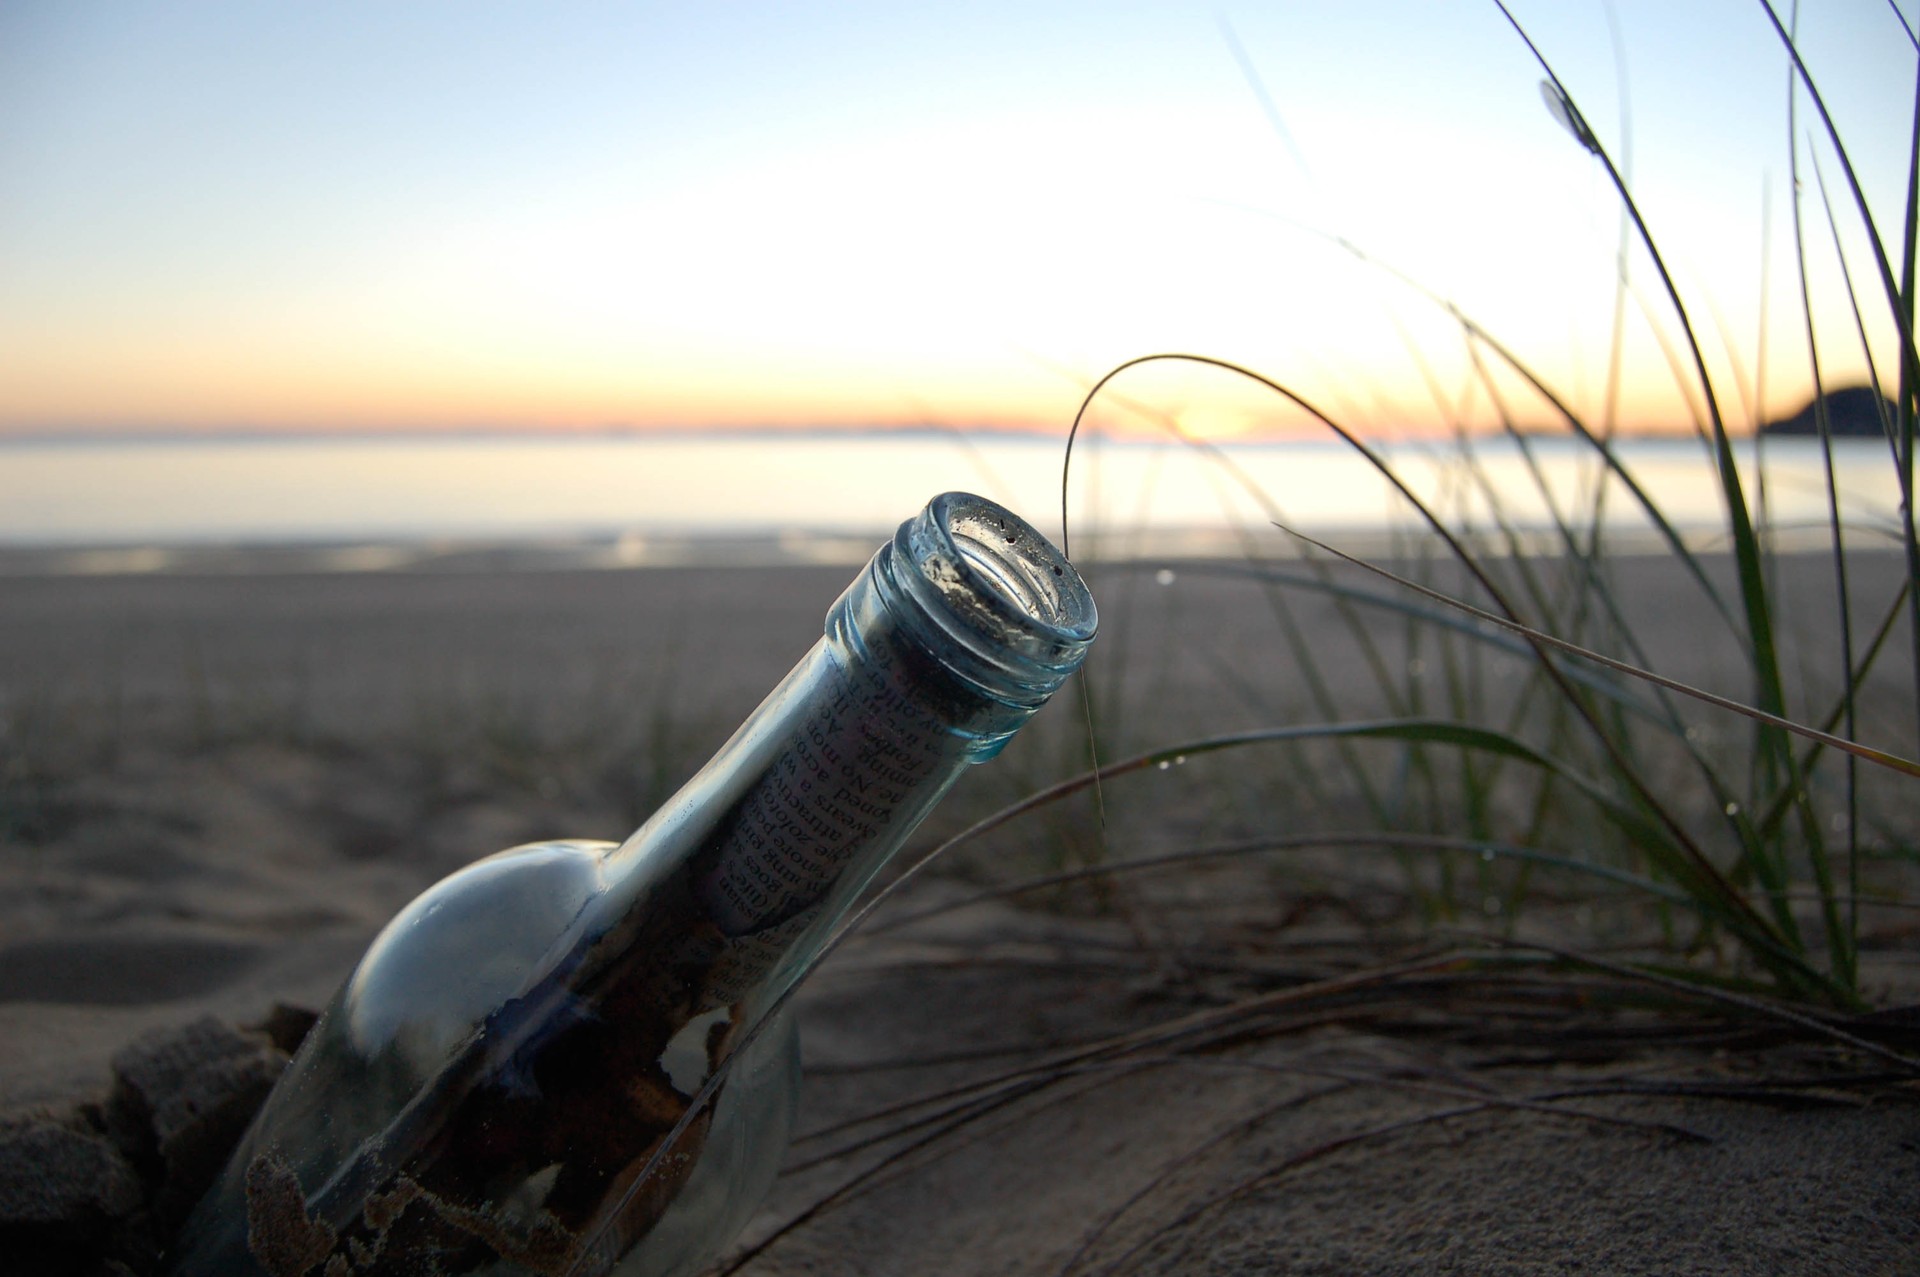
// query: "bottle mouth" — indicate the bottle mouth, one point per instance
point(995, 585)
point(1007, 562)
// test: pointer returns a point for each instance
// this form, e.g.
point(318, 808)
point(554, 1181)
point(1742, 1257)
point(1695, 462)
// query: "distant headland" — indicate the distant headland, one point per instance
point(1852, 412)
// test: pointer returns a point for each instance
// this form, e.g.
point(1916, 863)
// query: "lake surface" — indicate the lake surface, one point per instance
point(380, 503)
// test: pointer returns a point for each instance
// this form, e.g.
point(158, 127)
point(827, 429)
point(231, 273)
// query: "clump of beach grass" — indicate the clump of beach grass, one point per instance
point(1746, 822)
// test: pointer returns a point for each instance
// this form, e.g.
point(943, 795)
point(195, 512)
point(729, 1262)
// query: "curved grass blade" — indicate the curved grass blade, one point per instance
point(1842, 940)
point(1483, 847)
point(1701, 869)
point(1900, 295)
point(1892, 762)
point(1757, 1006)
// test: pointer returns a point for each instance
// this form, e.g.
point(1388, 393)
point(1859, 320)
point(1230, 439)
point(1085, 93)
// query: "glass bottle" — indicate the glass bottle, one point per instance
point(506, 1083)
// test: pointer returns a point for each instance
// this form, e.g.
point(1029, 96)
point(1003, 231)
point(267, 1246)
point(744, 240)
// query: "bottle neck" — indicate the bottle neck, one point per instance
point(946, 643)
point(1004, 608)
point(987, 615)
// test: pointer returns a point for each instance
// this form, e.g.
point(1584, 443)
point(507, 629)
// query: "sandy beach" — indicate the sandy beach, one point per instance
point(216, 788)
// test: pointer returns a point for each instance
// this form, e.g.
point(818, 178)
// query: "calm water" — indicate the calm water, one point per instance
point(636, 500)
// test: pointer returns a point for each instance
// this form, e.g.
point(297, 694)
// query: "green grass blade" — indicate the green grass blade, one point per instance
point(1892, 762)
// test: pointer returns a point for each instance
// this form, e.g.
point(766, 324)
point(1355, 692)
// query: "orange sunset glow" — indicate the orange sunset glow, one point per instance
point(316, 220)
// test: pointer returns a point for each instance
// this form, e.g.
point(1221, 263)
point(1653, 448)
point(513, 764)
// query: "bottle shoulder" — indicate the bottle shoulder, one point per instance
point(468, 944)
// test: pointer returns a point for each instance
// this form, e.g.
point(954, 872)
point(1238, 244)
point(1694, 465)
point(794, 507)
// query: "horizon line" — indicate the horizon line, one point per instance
point(176, 435)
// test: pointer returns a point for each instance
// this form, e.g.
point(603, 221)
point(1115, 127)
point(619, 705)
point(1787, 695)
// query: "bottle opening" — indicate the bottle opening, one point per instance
point(997, 586)
point(974, 587)
point(998, 548)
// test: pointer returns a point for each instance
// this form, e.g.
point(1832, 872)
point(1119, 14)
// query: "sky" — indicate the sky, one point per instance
point(237, 217)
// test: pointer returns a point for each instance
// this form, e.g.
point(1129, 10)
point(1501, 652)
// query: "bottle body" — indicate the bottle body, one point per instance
point(506, 1082)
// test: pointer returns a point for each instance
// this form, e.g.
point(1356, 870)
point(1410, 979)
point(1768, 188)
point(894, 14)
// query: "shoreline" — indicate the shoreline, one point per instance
point(798, 548)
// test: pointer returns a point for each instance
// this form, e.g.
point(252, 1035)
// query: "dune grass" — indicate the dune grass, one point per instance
point(1529, 721)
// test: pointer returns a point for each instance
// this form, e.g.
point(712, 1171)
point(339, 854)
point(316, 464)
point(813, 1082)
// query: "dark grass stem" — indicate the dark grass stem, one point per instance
point(1843, 941)
point(1771, 751)
point(1899, 295)
point(1884, 758)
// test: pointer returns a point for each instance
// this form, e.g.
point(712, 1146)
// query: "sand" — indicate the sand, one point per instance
point(217, 788)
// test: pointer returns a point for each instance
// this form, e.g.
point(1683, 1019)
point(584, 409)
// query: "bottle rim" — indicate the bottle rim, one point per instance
point(997, 584)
